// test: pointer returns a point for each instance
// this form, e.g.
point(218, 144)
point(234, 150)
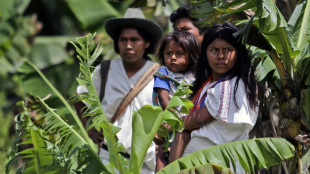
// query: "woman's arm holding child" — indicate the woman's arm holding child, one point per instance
point(194, 120)
point(197, 119)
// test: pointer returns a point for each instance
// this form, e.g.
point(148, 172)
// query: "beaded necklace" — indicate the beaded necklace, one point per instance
point(199, 103)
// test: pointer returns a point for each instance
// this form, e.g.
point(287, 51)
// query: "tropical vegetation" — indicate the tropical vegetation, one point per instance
point(41, 69)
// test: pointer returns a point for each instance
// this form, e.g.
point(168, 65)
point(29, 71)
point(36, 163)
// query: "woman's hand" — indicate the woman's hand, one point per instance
point(197, 119)
point(158, 139)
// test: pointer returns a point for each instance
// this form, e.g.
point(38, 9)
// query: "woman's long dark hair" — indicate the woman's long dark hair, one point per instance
point(186, 41)
point(242, 69)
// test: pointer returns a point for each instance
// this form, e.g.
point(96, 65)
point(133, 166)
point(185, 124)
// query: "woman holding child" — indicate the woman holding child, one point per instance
point(224, 94)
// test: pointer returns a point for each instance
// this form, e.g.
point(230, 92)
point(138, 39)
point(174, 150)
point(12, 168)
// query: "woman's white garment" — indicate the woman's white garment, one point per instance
point(117, 86)
point(232, 123)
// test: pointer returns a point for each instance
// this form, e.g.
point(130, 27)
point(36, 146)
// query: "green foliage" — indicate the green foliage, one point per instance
point(93, 13)
point(251, 154)
point(35, 83)
point(206, 169)
point(84, 47)
point(60, 128)
point(59, 144)
point(145, 124)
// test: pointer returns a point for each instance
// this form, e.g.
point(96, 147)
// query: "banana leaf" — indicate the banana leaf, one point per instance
point(145, 124)
point(93, 13)
point(207, 169)
point(12, 8)
point(48, 51)
point(147, 121)
point(251, 154)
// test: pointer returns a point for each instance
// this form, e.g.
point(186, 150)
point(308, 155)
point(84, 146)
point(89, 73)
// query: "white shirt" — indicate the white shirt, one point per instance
point(117, 86)
point(231, 123)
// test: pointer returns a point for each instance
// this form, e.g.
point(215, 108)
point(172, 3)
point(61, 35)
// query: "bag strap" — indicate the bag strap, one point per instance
point(105, 66)
point(140, 84)
point(165, 77)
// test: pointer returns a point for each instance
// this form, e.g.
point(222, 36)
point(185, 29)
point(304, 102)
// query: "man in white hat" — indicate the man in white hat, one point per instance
point(134, 37)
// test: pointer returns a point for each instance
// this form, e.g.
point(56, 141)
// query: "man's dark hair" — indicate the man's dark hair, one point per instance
point(184, 12)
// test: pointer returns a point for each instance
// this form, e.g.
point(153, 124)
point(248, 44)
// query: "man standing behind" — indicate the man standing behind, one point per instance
point(134, 37)
point(181, 20)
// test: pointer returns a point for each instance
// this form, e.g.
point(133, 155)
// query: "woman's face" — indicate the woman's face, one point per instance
point(221, 57)
point(176, 59)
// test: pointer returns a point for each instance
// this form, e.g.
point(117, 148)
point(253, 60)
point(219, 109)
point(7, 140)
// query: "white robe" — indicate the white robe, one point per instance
point(231, 123)
point(117, 86)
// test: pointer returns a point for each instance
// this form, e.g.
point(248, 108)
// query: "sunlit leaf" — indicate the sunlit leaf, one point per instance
point(260, 154)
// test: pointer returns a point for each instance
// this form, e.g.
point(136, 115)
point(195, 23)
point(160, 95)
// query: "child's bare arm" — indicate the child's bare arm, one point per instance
point(178, 146)
point(163, 97)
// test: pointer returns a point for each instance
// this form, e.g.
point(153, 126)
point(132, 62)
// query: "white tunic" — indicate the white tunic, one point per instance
point(117, 86)
point(231, 123)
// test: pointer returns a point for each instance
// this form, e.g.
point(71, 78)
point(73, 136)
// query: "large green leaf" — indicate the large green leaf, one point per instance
point(47, 51)
point(306, 158)
point(306, 108)
point(207, 169)
point(301, 23)
point(92, 13)
point(264, 68)
point(11, 8)
point(251, 154)
point(303, 66)
point(145, 123)
point(300, 29)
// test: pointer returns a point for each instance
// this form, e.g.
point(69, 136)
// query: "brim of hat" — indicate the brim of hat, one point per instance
point(113, 27)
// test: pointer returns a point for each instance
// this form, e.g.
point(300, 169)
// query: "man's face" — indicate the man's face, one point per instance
point(131, 45)
point(187, 25)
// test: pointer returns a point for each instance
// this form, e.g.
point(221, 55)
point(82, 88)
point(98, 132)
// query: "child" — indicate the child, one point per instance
point(225, 94)
point(178, 52)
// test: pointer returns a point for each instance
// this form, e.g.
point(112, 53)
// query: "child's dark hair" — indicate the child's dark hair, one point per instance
point(242, 69)
point(186, 41)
